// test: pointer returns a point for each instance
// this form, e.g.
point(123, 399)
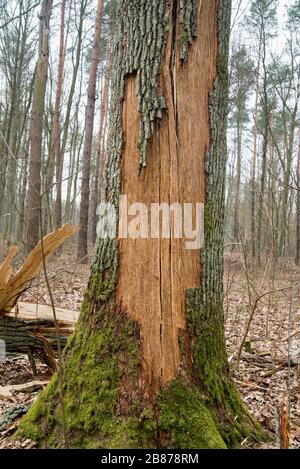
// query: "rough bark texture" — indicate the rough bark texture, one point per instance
point(101, 147)
point(87, 149)
point(297, 257)
point(36, 130)
point(31, 329)
point(56, 124)
point(33, 336)
point(147, 366)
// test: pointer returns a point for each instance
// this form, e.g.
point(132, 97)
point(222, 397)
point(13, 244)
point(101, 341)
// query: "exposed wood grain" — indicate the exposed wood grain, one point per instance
point(15, 285)
point(162, 270)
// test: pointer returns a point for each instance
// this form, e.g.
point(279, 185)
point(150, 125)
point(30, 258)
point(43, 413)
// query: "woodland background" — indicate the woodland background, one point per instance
point(262, 300)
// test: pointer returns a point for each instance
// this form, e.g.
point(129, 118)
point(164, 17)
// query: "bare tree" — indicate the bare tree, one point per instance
point(36, 129)
point(87, 149)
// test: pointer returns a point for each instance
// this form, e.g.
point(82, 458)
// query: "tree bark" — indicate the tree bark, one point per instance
point(87, 149)
point(297, 258)
point(55, 146)
point(254, 158)
point(147, 366)
point(32, 336)
point(100, 149)
point(266, 111)
point(36, 130)
point(237, 202)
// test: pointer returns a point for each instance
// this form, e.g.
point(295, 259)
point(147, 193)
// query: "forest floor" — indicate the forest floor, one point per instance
point(263, 377)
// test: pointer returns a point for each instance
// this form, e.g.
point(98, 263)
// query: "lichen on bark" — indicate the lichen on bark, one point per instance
point(141, 41)
point(204, 305)
point(188, 19)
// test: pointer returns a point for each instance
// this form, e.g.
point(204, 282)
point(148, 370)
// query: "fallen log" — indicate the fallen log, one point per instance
point(31, 330)
point(6, 392)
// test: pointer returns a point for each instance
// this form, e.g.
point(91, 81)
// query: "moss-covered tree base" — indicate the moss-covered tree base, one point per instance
point(106, 408)
point(106, 402)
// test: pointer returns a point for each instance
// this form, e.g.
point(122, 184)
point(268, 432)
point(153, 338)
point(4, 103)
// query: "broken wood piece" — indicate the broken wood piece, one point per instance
point(6, 392)
point(9, 431)
point(39, 311)
point(284, 427)
point(248, 384)
point(31, 330)
point(273, 371)
point(6, 269)
point(13, 287)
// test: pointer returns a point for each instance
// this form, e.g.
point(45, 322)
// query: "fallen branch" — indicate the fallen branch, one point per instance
point(33, 335)
point(30, 387)
point(247, 384)
point(253, 310)
point(12, 287)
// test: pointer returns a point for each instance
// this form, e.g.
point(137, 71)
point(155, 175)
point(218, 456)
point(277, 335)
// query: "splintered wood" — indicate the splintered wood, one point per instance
point(31, 329)
point(284, 427)
point(161, 270)
point(11, 287)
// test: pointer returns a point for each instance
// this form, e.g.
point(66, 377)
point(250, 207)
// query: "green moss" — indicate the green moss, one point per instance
point(184, 422)
point(40, 416)
point(104, 407)
point(184, 419)
point(29, 426)
point(101, 364)
point(103, 403)
point(211, 371)
point(208, 345)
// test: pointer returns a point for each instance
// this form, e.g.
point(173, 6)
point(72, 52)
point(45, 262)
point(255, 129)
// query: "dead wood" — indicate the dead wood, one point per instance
point(11, 287)
point(31, 333)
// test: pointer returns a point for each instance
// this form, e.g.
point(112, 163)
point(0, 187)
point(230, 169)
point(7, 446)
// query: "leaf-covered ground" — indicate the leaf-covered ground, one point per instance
point(264, 377)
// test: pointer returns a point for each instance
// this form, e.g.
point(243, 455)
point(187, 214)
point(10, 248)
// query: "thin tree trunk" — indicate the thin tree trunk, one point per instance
point(237, 201)
point(289, 150)
point(36, 130)
point(73, 166)
point(100, 150)
point(263, 156)
point(297, 258)
point(254, 158)
point(23, 185)
point(87, 149)
point(55, 146)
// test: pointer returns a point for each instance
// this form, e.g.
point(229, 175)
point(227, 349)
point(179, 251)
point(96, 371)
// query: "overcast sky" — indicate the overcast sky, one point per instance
point(241, 9)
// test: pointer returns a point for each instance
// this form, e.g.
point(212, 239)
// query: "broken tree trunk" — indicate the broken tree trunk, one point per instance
point(147, 366)
point(31, 332)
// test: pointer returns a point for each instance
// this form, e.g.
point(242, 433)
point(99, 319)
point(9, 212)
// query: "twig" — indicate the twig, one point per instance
point(258, 298)
point(60, 369)
point(250, 385)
